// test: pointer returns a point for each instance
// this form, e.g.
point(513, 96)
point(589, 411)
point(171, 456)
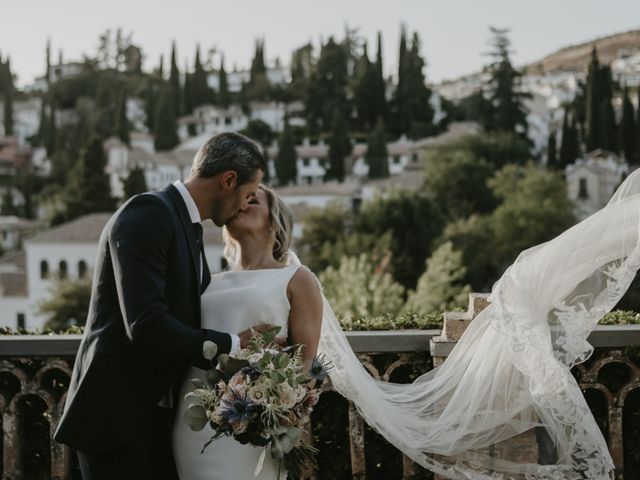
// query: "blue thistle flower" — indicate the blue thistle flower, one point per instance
point(320, 368)
point(238, 409)
point(252, 372)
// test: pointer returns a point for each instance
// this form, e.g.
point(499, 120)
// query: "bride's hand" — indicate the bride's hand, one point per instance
point(245, 336)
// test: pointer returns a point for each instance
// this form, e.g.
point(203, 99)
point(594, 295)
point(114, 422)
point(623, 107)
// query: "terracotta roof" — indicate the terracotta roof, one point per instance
point(86, 229)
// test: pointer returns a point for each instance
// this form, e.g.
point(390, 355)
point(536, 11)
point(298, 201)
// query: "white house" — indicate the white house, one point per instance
point(12, 230)
point(67, 251)
point(592, 180)
point(26, 119)
point(209, 120)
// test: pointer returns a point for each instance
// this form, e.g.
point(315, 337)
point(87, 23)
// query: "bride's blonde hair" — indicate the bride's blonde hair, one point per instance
point(281, 229)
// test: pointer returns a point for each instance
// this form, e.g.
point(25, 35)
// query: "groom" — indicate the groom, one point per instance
point(143, 327)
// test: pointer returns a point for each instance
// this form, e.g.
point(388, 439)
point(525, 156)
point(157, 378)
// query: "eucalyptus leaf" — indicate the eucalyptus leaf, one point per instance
point(195, 417)
point(209, 350)
point(198, 383)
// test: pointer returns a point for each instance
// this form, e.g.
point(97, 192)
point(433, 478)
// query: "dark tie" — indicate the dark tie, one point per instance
point(205, 278)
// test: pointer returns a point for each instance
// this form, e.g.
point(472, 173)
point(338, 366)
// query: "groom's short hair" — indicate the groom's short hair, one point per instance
point(229, 151)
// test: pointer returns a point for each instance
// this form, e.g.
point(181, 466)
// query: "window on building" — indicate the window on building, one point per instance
point(223, 264)
point(396, 159)
point(582, 192)
point(306, 162)
point(63, 271)
point(82, 269)
point(21, 321)
point(44, 269)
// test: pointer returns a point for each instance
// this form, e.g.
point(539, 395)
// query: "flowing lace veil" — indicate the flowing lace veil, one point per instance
point(510, 371)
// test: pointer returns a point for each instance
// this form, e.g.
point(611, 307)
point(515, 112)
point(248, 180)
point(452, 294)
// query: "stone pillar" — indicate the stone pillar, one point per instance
point(522, 448)
point(11, 447)
point(356, 440)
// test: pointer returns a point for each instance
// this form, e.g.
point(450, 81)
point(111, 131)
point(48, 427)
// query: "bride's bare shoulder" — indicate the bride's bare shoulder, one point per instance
point(304, 282)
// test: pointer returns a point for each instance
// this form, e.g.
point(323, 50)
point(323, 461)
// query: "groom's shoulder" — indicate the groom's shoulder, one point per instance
point(145, 209)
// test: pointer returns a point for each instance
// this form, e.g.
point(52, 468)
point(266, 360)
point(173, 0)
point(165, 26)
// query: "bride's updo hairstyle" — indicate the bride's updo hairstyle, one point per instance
point(281, 229)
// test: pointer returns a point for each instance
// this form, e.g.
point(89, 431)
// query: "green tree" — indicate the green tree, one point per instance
point(165, 135)
point(377, 156)
point(224, 97)
point(68, 304)
point(89, 188)
point(372, 291)
point(440, 287)
point(174, 82)
point(457, 181)
point(287, 158)
point(474, 237)
point(7, 88)
point(365, 92)
point(570, 147)
point(413, 113)
point(260, 131)
point(327, 87)
point(534, 209)
point(8, 207)
point(628, 134)
point(135, 183)
point(413, 220)
point(507, 112)
point(200, 92)
point(339, 148)
point(552, 156)
point(380, 88)
point(609, 125)
point(122, 122)
point(594, 102)
point(187, 93)
point(259, 87)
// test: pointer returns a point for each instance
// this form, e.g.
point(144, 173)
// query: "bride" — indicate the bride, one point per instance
point(508, 374)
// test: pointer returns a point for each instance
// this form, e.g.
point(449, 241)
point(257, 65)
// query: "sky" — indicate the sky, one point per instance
point(454, 33)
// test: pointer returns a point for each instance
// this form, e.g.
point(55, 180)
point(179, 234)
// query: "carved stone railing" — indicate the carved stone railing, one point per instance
point(35, 371)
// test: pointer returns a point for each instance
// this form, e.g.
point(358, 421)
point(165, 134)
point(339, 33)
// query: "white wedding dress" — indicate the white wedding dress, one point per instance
point(234, 301)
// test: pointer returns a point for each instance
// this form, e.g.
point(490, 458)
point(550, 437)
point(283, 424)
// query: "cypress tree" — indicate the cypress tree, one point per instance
point(380, 100)
point(594, 102)
point(89, 189)
point(122, 122)
point(174, 82)
point(224, 98)
point(200, 91)
point(364, 92)
point(628, 140)
point(287, 158)
point(552, 159)
point(6, 85)
point(135, 183)
point(165, 133)
point(339, 148)
point(377, 156)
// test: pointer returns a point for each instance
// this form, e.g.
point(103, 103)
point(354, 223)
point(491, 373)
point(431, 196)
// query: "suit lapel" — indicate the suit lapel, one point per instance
point(183, 214)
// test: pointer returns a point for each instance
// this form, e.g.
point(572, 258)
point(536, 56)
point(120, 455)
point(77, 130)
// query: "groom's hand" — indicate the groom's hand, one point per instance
point(245, 336)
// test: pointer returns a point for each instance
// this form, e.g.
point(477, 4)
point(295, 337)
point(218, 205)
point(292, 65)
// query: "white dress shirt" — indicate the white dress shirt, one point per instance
point(194, 214)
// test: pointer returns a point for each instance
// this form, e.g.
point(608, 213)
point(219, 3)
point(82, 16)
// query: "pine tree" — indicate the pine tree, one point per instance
point(508, 112)
point(224, 97)
point(174, 82)
point(165, 135)
point(339, 148)
point(135, 183)
point(287, 158)
point(122, 122)
point(552, 159)
point(377, 156)
point(89, 189)
point(628, 140)
point(594, 101)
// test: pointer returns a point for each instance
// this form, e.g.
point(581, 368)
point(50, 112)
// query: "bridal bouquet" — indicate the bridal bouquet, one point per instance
point(262, 396)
